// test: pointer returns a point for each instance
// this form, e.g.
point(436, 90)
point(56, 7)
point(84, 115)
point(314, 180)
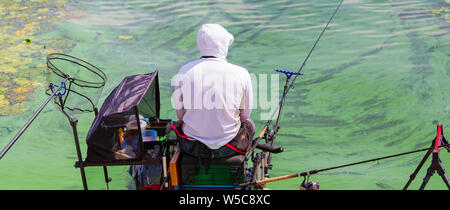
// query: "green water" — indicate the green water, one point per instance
point(375, 85)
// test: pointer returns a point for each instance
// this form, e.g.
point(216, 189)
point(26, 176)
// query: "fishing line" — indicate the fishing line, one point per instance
point(307, 57)
point(314, 46)
point(263, 131)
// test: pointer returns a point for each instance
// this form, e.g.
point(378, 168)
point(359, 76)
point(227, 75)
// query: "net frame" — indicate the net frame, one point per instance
point(83, 83)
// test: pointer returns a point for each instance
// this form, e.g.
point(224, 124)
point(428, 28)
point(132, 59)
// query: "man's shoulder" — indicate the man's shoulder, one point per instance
point(239, 68)
point(188, 66)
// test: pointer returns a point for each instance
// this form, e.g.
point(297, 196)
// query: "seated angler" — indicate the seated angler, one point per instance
point(213, 99)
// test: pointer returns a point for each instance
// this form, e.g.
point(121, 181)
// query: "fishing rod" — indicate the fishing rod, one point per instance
point(280, 104)
point(261, 162)
point(270, 135)
point(308, 173)
point(27, 124)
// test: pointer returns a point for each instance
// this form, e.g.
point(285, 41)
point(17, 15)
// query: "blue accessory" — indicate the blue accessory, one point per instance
point(149, 135)
point(288, 73)
point(63, 84)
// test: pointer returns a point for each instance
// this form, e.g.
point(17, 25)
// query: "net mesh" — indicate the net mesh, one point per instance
point(83, 87)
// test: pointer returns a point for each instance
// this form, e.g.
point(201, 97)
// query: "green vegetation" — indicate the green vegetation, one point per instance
point(23, 50)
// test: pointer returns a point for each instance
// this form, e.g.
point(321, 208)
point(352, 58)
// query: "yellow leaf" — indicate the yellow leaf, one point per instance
point(125, 37)
point(20, 98)
point(42, 11)
point(20, 90)
point(4, 102)
point(20, 32)
point(29, 26)
point(8, 69)
point(42, 65)
point(21, 81)
point(48, 51)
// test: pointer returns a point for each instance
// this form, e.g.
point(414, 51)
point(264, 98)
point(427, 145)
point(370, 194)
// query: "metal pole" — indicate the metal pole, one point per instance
point(73, 123)
point(21, 131)
point(413, 175)
point(107, 178)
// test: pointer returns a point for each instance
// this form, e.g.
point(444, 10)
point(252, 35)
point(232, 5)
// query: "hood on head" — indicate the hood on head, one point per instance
point(214, 40)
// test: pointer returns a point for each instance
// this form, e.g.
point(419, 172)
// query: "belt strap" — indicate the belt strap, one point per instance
point(197, 147)
point(234, 148)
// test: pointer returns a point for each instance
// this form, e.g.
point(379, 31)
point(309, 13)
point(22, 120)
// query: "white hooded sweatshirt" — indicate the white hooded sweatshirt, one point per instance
point(211, 96)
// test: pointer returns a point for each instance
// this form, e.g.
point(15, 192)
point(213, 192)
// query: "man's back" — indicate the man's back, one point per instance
point(212, 97)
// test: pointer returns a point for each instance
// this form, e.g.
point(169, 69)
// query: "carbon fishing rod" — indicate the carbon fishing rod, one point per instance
point(285, 92)
point(308, 173)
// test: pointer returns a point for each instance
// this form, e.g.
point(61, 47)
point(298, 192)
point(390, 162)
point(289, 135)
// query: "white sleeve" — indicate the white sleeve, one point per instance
point(247, 100)
point(177, 97)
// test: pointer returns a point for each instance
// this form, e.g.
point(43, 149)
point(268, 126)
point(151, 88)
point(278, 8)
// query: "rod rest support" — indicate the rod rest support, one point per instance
point(288, 73)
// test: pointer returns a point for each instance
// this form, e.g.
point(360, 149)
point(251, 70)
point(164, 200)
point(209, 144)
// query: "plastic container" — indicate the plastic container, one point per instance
point(149, 135)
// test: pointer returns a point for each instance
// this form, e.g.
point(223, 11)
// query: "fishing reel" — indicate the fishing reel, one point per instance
point(309, 185)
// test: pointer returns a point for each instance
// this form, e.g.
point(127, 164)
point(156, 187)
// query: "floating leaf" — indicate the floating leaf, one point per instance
point(125, 37)
point(48, 51)
point(21, 81)
point(30, 26)
point(3, 90)
point(20, 90)
point(41, 65)
point(21, 23)
point(3, 101)
point(436, 11)
point(17, 108)
point(42, 11)
point(13, 7)
point(20, 98)
point(8, 69)
point(19, 33)
point(4, 84)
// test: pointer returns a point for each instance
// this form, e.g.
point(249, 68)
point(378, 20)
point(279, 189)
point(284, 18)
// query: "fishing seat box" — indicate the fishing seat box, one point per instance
point(225, 173)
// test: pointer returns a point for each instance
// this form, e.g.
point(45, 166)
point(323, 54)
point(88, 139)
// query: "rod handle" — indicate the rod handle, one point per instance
point(269, 148)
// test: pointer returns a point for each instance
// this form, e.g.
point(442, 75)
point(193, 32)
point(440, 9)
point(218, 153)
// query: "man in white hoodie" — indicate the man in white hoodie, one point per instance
point(213, 99)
